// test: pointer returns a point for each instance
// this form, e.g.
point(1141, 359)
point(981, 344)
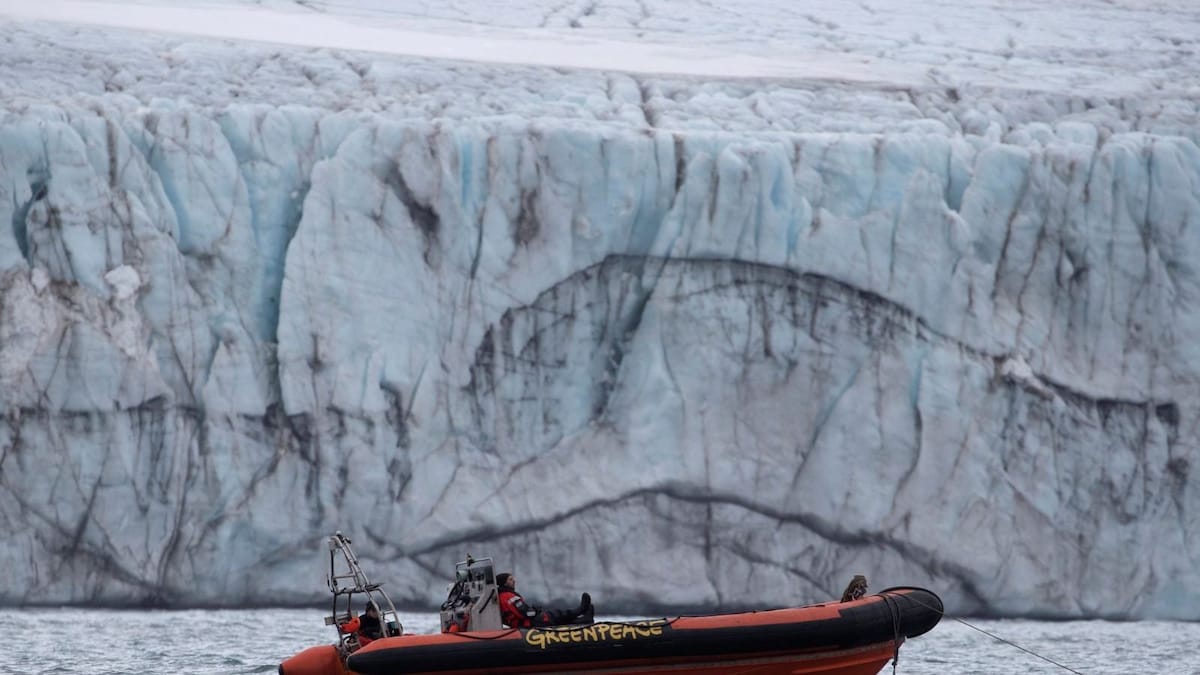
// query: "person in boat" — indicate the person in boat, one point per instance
point(369, 626)
point(516, 613)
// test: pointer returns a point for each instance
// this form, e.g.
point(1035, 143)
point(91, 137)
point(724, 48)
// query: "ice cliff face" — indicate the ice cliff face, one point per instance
point(659, 362)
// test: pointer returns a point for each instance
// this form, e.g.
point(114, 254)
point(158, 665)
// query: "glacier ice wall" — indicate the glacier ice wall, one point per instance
point(684, 367)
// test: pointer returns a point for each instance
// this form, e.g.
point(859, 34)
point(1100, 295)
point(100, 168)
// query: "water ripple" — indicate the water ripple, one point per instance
point(231, 642)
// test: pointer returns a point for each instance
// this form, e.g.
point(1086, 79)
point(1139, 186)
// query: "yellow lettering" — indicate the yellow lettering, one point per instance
point(600, 632)
point(535, 638)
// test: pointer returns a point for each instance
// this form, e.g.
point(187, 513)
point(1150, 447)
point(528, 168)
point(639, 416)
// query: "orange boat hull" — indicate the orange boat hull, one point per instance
point(862, 661)
point(837, 638)
point(323, 660)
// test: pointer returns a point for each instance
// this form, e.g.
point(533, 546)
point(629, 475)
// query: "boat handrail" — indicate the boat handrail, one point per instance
point(340, 543)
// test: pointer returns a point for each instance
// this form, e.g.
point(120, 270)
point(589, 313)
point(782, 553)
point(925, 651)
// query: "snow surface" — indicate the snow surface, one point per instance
point(674, 302)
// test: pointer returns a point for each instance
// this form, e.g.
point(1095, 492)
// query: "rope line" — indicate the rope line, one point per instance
point(999, 639)
point(1010, 642)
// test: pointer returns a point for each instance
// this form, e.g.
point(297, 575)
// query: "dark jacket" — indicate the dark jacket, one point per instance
point(369, 626)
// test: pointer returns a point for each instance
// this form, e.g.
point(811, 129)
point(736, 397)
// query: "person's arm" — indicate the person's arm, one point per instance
point(519, 611)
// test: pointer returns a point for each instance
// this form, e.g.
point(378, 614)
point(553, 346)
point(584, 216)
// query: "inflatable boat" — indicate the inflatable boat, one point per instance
point(855, 636)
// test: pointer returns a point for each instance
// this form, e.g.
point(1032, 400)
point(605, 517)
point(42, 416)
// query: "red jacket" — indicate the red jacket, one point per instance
point(514, 612)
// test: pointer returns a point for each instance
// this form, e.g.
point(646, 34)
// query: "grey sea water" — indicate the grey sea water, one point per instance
point(105, 642)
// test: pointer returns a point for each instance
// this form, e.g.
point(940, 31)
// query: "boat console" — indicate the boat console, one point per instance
point(472, 603)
